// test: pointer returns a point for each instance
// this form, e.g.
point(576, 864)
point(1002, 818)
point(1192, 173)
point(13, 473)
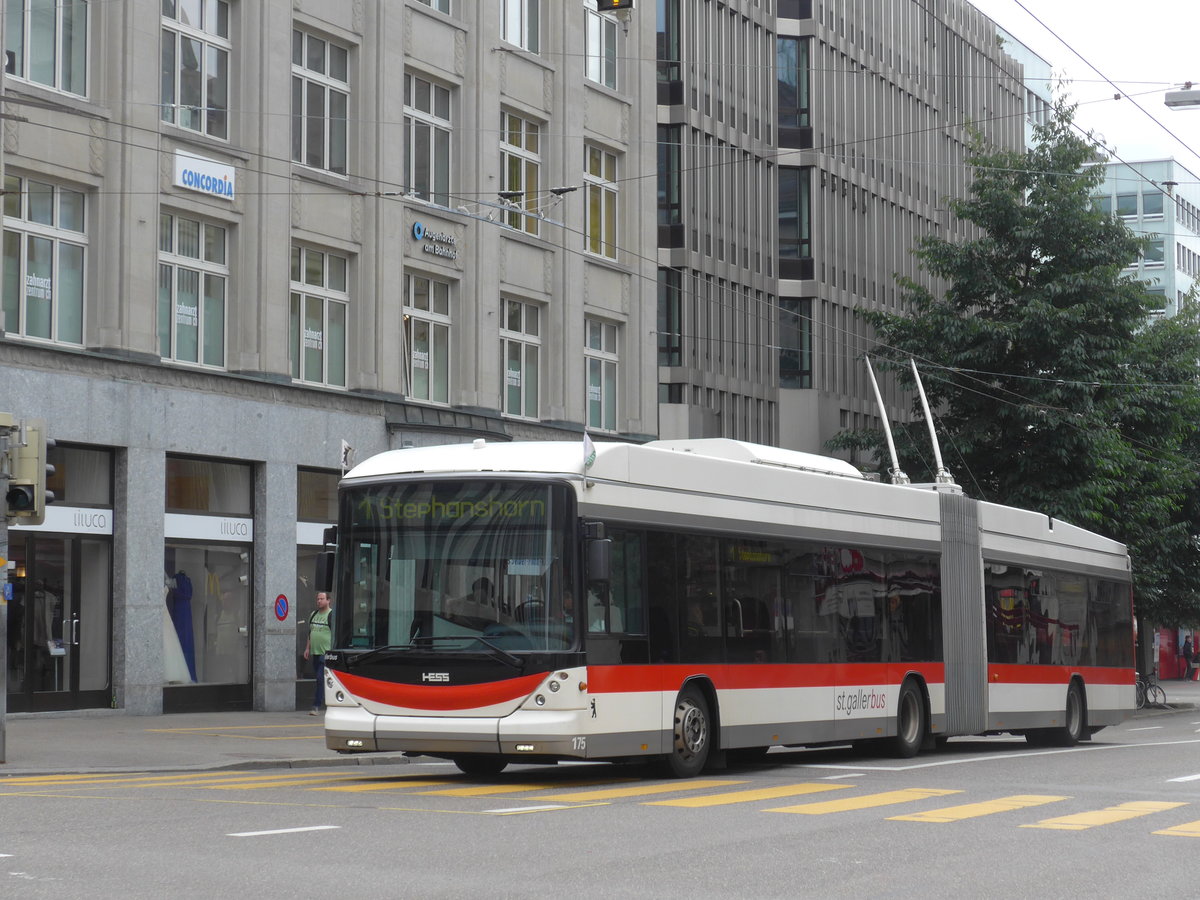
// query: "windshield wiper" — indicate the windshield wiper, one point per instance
point(503, 655)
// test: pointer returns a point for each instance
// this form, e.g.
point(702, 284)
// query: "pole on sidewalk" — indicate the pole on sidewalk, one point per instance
point(5, 588)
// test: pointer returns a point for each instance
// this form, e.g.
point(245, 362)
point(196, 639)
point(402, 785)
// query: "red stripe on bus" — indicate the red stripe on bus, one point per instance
point(441, 696)
point(1015, 673)
point(732, 676)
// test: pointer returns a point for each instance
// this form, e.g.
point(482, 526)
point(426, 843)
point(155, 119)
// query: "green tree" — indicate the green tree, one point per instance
point(1055, 390)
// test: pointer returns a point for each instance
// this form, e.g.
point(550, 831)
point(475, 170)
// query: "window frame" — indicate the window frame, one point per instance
point(527, 342)
point(436, 320)
point(439, 165)
point(602, 208)
point(22, 225)
point(518, 26)
point(68, 67)
point(602, 367)
point(205, 269)
point(334, 139)
point(331, 297)
point(213, 120)
point(528, 162)
point(601, 43)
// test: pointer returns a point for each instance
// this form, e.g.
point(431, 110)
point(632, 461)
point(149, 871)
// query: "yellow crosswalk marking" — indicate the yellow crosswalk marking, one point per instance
point(394, 784)
point(487, 790)
point(641, 790)
point(984, 808)
point(1119, 813)
point(887, 798)
point(254, 784)
point(771, 793)
point(1187, 829)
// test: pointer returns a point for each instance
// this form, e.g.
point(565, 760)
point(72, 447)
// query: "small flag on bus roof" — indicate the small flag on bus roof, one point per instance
point(589, 452)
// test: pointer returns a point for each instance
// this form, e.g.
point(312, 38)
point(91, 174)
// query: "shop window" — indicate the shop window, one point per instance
point(316, 496)
point(208, 486)
point(82, 476)
point(207, 593)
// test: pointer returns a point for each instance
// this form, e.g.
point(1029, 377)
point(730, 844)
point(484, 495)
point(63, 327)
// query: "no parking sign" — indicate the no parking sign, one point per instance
point(281, 607)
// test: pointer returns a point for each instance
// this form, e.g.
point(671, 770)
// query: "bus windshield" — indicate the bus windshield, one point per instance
point(454, 564)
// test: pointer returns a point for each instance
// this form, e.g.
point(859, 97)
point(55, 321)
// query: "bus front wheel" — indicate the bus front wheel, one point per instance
point(691, 735)
point(481, 765)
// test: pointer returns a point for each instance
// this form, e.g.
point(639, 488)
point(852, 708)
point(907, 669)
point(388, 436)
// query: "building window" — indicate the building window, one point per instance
point(44, 245)
point(600, 360)
point(670, 175)
point(1152, 203)
point(1154, 252)
point(519, 165)
point(427, 338)
point(601, 37)
point(192, 275)
point(791, 67)
point(439, 5)
point(667, 41)
point(600, 176)
point(318, 323)
point(46, 43)
point(320, 102)
point(795, 233)
point(1127, 204)
point(427, 139)
point(195, 65)
point(670, 317)
point(519, 23)
point(520, 348)
point(795, 343)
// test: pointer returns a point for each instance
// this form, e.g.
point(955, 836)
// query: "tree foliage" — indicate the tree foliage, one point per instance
point(1054, 387)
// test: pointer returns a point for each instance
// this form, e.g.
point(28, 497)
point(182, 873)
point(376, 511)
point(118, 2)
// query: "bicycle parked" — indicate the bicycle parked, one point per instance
point(1148, 692)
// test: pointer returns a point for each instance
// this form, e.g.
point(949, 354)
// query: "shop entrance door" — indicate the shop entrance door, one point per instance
point(58, 623)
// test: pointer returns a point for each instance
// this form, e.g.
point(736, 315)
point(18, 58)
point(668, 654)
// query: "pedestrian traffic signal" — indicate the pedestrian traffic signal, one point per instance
point(25, 494)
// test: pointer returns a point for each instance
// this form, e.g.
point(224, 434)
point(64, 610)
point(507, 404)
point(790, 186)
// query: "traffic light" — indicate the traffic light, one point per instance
point(613, 5)
point(25, 493)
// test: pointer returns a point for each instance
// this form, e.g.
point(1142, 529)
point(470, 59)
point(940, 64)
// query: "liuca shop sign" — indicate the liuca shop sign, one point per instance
point(205, 176)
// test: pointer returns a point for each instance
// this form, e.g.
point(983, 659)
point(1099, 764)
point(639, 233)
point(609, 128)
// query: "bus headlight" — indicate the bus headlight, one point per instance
point(540, 700)
point(554, 686)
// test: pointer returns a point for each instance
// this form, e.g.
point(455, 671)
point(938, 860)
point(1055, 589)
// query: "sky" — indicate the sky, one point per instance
point(1146, 48)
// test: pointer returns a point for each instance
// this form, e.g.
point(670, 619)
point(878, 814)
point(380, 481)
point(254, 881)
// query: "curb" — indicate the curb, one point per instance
point(254, 764)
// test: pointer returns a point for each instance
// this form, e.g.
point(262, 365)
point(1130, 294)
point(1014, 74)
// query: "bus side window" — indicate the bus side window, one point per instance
point(625, 594)
point(662, 585)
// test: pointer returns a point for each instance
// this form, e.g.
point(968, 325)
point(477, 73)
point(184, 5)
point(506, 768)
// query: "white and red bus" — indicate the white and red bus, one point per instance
point(510, 602)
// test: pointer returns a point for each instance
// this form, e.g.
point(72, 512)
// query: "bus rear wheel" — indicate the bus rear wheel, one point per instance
point(1074, 728)
point(691, 736)
point(910, 722)
point(482, 765)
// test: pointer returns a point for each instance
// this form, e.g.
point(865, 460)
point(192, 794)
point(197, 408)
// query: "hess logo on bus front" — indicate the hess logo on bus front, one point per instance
point(435, 677)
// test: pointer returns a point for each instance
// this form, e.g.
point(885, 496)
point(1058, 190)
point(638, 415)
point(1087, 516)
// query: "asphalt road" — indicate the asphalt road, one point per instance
point(981, 818)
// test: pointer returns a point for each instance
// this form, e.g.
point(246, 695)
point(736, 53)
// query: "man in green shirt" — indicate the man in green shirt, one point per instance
point(320, 637)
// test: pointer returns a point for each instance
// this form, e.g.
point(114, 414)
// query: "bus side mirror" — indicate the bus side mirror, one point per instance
point(324, 571)
point(599, 560)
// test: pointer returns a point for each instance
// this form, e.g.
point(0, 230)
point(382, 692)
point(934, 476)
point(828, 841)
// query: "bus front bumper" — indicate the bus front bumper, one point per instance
point(524, 733)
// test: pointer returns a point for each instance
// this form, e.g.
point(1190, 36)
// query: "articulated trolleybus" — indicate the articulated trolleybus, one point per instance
point(695, 600)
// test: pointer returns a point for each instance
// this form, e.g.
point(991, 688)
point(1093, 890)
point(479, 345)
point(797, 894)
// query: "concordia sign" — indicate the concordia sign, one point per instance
point(207, 176)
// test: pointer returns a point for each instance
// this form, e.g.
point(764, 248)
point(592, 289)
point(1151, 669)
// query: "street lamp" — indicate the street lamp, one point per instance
point(1184, 98)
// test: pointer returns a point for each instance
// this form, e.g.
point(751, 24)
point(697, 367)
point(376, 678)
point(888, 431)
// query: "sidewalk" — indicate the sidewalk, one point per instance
point(102, 740)
point(110, 741)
